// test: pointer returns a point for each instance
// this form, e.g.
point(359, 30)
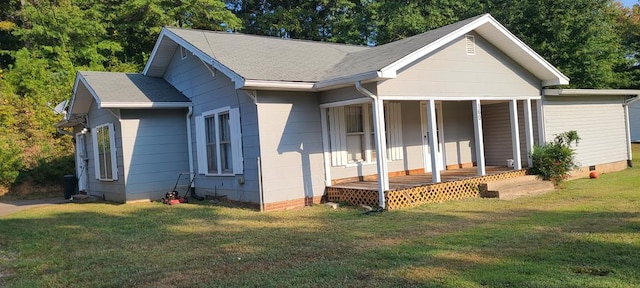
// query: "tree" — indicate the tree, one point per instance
point(629, 20)
point(580, 37)
point(343, 21)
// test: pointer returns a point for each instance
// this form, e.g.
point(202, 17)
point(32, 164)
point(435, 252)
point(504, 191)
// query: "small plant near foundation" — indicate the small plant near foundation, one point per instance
point(555, 160)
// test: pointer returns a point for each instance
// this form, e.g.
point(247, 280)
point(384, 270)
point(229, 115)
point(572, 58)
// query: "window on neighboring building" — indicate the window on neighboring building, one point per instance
point(104, 150)
point(219, 142)
point(352, 136)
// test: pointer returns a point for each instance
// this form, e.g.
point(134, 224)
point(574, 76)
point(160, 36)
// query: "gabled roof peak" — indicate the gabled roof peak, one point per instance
point(263, 62)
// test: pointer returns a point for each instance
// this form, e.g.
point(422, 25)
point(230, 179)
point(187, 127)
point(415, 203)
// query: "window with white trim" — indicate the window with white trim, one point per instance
point(352, 135)
point(219, 143)
point(104, 152)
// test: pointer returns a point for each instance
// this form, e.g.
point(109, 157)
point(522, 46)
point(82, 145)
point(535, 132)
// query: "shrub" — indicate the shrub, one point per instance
point(554, 161)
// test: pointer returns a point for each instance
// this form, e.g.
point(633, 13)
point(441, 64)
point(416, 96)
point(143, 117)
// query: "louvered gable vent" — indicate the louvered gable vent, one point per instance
point(470, 42)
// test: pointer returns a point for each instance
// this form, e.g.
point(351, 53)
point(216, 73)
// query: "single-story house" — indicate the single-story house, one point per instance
point(276, 121)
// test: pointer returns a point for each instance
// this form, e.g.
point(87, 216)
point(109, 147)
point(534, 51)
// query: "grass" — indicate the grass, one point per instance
point(586, 234)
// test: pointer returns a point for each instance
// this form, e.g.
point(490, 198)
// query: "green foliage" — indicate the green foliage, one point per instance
point(343, 21)
point(554, 161)
point(10, 161)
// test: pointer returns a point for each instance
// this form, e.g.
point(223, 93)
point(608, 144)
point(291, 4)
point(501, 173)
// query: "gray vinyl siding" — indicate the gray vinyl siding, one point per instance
point(496, 125)
point(291, 145)
point(634, 121)
point(459, 137)
point(487, 73)
point(600, 124)
point(109, 190)
point(155, 151)
point(345, 93)
point(208, 92)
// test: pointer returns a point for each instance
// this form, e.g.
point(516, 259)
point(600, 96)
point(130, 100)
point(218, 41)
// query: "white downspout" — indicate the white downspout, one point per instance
point(378, 125)
point(628, 128)
point(190, 148)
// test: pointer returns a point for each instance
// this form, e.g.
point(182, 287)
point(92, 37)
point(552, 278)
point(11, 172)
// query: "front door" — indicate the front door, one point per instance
point(81, 163)
point(425, 137)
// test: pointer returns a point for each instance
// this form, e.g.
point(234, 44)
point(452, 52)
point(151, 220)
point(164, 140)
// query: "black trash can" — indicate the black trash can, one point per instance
point(69, 186)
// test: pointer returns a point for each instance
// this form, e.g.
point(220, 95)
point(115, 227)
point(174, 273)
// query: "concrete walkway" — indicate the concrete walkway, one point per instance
point(11, 206)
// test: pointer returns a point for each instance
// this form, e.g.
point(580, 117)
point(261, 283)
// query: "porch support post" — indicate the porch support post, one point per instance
point(515, 134)
point(433, 140)
point(326, 151)
point(477, 125)
point(528, 129)
point(381, 144)
point(381, 150)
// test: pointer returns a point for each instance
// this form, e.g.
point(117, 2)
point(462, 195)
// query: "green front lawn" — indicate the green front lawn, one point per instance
point(586, 234)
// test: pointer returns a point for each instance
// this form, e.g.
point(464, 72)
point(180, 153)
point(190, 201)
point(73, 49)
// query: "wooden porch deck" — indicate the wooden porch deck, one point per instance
point(414, 190)
point(408, 181)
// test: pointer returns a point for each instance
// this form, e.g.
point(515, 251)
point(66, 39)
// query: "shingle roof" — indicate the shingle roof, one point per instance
point(268, 58)
point(276, 59)
point(131, 88)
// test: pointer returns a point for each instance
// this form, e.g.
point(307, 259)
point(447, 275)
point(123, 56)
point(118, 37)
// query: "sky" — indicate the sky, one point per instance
point(628, 3)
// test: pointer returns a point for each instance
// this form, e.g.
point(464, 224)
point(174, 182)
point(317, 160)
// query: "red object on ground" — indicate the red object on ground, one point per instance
point(593, 174)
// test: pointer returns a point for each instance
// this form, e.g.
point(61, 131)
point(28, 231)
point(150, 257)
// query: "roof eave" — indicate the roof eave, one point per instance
point(591, 92)
point(144, 105)
point(365, 77)
point(195, 51)
point(275, 85)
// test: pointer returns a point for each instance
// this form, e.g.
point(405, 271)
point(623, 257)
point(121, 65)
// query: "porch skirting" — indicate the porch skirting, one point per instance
point(418, 195)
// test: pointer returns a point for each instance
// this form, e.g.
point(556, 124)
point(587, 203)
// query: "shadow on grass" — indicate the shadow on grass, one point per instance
point(196, 244)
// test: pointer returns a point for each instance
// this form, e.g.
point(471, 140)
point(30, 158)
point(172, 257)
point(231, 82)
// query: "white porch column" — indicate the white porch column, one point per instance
point(477, 125)
point(325, 147)
point(381, 149)
point(433, 140)
point(528, 130)
point(515, 135)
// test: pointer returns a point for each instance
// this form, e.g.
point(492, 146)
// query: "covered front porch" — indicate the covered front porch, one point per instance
point(423, 143)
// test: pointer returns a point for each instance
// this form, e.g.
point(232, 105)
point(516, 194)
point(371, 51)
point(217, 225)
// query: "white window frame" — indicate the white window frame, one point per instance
point(235, 142)
point(336, 126)
point(112, 149)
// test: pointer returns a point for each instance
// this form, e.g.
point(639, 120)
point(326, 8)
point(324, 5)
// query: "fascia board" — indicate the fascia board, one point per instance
point(80, 79)
point(276, 85)
point(134, 105)
point(558, 77)
point(341, 81)
point(154, 51)
point(591, 92)
point(195, 51)
point(73, 95)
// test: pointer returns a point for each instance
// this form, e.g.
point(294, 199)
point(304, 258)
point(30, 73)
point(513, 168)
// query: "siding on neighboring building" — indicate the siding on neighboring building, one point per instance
point(108, 190)
point(599, 121)
point(634, 121)
point(155, 151)
point(208, 92)
point(291, 146)
point(450, 72)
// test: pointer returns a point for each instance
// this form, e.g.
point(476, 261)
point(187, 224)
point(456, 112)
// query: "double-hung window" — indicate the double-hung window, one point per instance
point(219, 142)
point(352, 136)
point(104, 152)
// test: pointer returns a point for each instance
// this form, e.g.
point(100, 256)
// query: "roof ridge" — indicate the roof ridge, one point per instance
point(269, 37)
